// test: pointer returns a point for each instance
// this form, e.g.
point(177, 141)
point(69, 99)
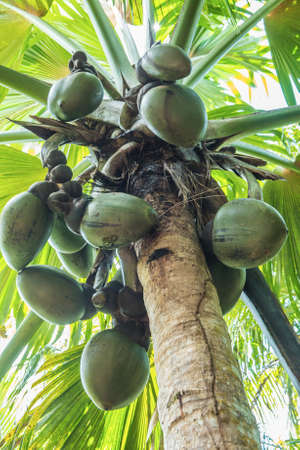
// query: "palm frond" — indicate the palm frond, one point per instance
point(272, 140)
point(60, 404)
point(30, 86)
point(264, 379)
point(38, 7)
point(272, 320)
point(45, 59)
point(148, 22)
point(213, 95)
point(282, 29)
point(252, 150)
point(17, 106)
point(18, 170)
point(283, 271)
point(232, 129)
point(13, 46)
point(127, 38)
point(63, 40)
point(76, 25)
point(209, 61)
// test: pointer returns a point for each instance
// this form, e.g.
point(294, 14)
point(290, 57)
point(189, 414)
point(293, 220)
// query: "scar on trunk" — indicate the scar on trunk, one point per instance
point(212, 364)
point(158, 253)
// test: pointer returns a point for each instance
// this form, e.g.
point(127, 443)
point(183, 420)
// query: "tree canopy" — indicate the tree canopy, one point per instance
point(43, 402)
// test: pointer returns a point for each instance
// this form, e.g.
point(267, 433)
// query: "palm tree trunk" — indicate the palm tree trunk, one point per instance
point(202, 403)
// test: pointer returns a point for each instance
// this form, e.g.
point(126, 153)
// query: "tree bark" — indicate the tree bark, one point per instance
point(201, 403)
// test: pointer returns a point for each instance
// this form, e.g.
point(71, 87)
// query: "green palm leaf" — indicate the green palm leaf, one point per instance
point(8, 137)
point(208, 62)
point(13, 46)
point(265, 380)
point(63, 40)
point(282, 29)
point(45, 59)
point(62, 414)
point(284, 195)
point(13, 166)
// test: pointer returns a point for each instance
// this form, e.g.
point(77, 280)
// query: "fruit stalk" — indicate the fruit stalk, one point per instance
point(129, 266)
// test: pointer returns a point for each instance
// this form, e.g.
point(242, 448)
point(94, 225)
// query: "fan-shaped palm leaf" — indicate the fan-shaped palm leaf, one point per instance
point(12, 46)
point(62, 415)
point(284, 270)
point(282, 28)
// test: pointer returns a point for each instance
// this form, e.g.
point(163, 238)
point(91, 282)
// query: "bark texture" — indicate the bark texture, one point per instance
point(202, 403)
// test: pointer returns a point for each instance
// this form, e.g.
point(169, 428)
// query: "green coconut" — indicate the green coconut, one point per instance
point(247, 232)
point(114, 369)
point(80, 263)
point(115, 219)
point(52, 294)
point(25, 226)
point(229, 282)
point(166, 62)
point(64, 240)
point(75, 96)
point(175, 114)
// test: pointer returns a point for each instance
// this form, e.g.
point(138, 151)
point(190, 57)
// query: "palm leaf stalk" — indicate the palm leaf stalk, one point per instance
point(271, 318)
point(30, 86)
point(129, 42)
point(186, 25)
point(9, 137)
point(148, 21)
point(237, 127)
point(18, 342)
point(270, 157)
point(232, 128)
point(112, 47)
point(224, 46)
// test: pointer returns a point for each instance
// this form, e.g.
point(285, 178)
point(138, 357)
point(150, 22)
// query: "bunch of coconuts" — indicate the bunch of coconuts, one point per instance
point(244, 233)
point(173, 112)
point(115, 366)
